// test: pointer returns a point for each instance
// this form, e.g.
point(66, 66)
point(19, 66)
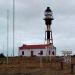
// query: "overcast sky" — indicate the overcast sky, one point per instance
point(30, 26)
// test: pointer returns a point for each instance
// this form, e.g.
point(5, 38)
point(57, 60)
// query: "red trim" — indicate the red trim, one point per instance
point(42, 46)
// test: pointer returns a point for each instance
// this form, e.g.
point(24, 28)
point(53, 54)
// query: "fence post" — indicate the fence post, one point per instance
point(72, 69)
point(61, 64)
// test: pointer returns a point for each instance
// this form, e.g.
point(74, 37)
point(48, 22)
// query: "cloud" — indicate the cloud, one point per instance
point(29, 24)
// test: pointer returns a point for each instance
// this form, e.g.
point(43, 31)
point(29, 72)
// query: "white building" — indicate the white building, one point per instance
point(37, 50)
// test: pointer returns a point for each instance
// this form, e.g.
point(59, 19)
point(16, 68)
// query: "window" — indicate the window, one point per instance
point(53, 53)
point(41, 52)
point(22, 52)
point(49, 52)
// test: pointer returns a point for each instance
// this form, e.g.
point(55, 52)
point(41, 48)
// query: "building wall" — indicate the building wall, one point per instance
point(27, 52)
point(37, 51)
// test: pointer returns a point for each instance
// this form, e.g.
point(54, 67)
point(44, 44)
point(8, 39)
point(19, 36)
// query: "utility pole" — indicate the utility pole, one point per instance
point(7, 33)
point(13, 26)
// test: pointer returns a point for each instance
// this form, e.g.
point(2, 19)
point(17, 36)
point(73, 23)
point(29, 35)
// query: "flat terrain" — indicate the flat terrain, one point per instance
point(34, 66)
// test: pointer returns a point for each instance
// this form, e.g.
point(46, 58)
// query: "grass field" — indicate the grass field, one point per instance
point(32, 66)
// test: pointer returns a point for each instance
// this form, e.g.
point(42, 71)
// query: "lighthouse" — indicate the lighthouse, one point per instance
point(51, 50)
point(47, 49)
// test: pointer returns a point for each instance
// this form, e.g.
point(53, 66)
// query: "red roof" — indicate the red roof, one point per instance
point(42, 46)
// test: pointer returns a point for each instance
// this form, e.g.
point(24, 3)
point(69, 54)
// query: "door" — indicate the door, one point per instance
point(32, 53)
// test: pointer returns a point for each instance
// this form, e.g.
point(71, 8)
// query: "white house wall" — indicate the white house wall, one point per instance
point(27, 52)
point(37, 51)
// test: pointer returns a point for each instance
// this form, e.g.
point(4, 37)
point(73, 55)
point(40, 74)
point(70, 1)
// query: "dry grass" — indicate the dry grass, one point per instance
point(31, 66)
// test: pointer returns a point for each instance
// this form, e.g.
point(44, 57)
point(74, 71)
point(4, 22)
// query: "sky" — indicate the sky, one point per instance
point(30, 26)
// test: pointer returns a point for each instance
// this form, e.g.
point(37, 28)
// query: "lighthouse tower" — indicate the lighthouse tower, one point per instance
point(51, 50)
